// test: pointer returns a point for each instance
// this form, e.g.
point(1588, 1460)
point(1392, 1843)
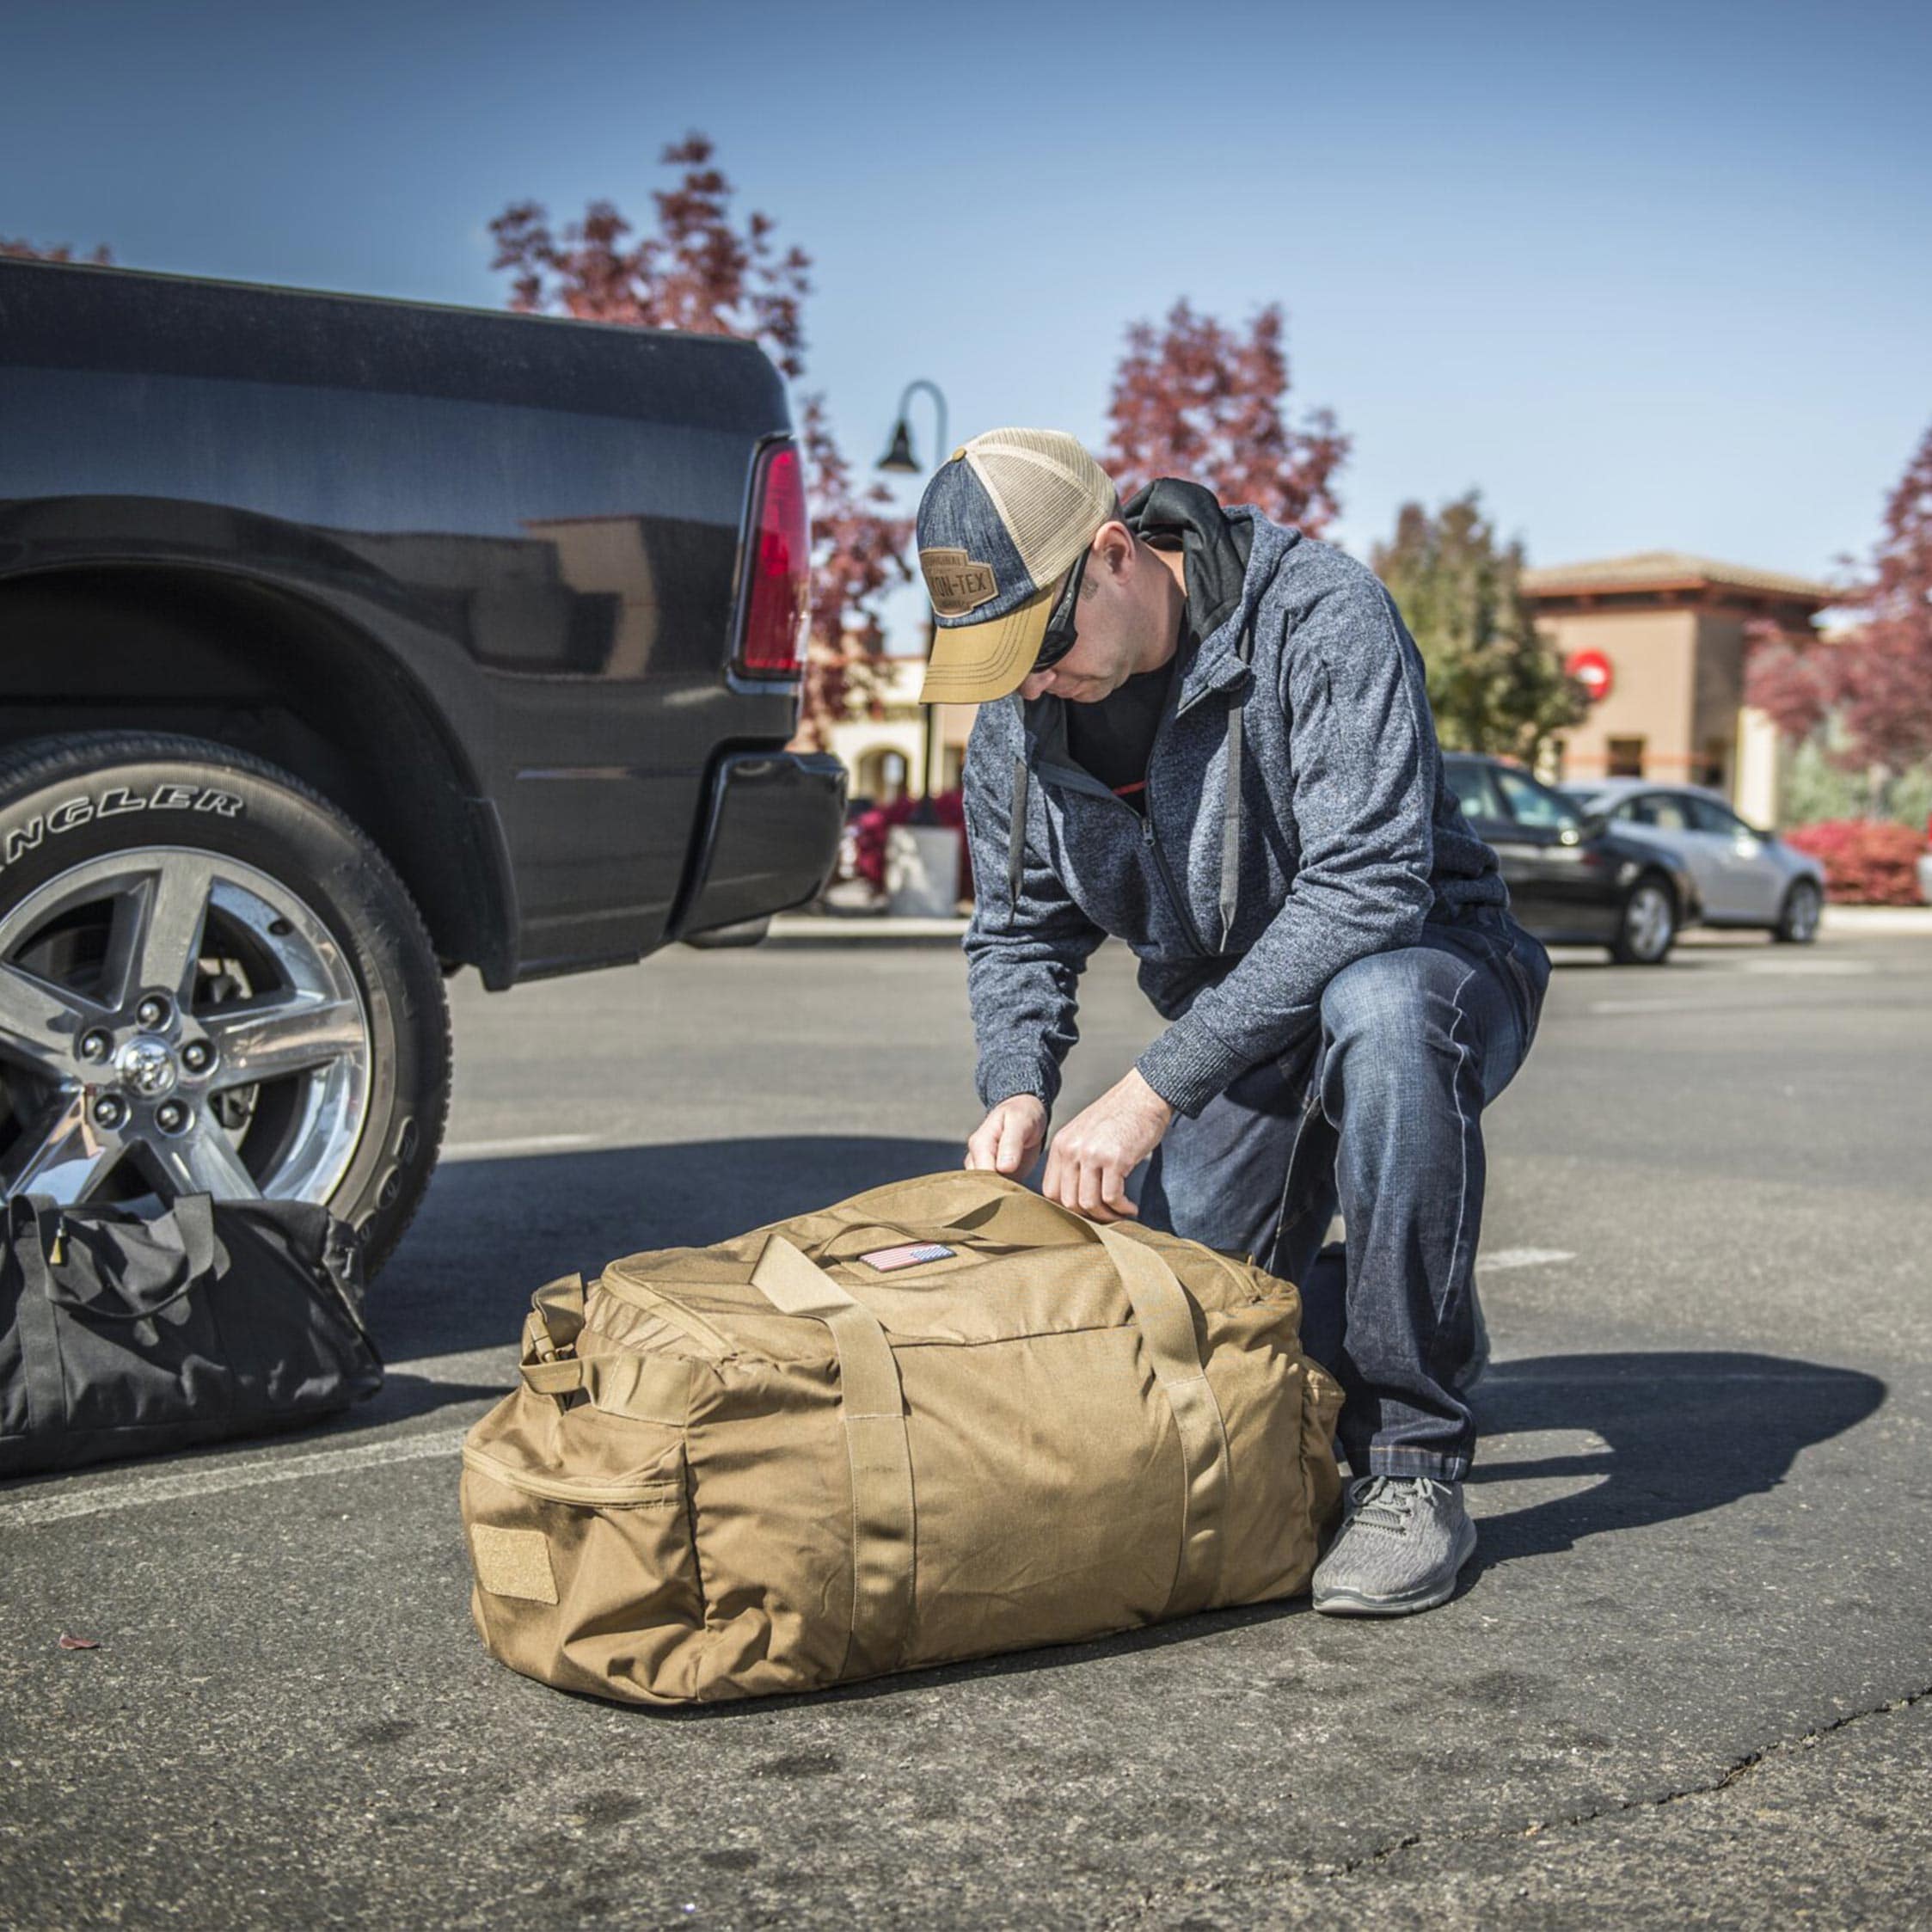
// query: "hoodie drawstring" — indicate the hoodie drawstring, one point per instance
point(1231, 816)
point(1017, 834)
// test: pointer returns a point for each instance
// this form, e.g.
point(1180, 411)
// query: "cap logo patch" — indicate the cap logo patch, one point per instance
point(956, 582)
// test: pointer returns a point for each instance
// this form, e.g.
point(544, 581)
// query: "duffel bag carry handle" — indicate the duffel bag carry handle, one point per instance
point(194, 1218)
point(556, 1315)
point(549, 1365)
point(852, 1241)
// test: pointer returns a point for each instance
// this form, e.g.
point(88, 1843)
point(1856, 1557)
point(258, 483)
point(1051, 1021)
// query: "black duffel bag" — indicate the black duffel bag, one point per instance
point(126, 1334)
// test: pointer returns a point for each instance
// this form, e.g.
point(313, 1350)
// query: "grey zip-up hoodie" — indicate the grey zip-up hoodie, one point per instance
point(1297, 820)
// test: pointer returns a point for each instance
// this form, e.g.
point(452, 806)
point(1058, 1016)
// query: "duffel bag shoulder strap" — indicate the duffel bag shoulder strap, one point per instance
point(873, 1409)
point(1165, 1316)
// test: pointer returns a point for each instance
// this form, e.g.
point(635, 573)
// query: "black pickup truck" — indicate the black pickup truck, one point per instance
point(345, 642)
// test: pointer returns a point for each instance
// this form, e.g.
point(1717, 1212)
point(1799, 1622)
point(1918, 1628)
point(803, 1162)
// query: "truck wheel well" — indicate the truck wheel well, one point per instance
point(216, 655)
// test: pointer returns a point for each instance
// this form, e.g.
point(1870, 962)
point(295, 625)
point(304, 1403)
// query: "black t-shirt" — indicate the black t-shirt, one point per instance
point(1113, 739)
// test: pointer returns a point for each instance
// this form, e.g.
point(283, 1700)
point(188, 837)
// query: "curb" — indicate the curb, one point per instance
point(863, 930)
point(1852, 921)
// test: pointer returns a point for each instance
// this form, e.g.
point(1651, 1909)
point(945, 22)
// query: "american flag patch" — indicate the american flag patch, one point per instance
point(909, 1256)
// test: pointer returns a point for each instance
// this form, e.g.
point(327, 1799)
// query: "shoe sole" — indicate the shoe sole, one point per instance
point(1352, 1602)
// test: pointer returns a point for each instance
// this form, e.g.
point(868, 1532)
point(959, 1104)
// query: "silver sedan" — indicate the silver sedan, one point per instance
point(1748, 877)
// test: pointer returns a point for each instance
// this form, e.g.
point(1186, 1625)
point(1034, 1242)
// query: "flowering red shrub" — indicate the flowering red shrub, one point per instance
point(1866, 861)
point(870, 827)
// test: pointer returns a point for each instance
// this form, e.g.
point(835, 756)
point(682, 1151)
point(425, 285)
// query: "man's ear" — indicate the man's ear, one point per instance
point(1113, 549)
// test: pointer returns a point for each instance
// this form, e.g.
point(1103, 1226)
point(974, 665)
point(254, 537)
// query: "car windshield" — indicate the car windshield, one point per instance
point(1532, 804)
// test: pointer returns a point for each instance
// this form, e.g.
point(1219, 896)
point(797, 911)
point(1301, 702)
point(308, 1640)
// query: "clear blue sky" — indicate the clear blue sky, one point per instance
point(1650, 276)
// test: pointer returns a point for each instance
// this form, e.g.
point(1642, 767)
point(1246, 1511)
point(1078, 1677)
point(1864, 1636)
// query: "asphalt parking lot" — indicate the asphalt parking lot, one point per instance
point(1690, 1682)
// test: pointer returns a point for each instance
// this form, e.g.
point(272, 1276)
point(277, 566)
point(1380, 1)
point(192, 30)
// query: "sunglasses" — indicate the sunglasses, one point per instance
point(1062, 632)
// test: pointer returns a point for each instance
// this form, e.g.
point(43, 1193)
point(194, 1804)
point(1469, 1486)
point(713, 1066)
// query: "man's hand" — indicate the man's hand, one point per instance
point(1007, 1141)
point(1092, 1156)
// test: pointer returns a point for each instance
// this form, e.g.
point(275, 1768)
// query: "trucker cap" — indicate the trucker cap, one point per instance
point(1001, 523)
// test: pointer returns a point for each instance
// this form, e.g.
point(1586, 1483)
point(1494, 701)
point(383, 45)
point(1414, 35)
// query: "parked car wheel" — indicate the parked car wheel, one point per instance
point(1648, 924)
point(208, 980)
point(1798, 916)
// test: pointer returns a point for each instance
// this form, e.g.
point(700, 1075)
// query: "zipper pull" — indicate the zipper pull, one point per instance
point(1146, 831)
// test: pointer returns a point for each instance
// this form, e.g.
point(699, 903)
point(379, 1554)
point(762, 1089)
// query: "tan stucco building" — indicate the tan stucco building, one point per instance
point(1669, 630)
point(885, 754)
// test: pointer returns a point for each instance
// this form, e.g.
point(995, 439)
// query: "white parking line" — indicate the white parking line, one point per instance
point(1522, 1258)
point(1807, 968)
point(1655, 1005)
point(33, 1511)
point(530, 1143)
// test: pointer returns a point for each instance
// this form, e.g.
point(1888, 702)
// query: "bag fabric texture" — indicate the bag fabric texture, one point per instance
point(775, 1465)
point(126, 1334)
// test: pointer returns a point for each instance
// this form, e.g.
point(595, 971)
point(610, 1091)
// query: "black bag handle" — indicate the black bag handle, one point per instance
point(193, 1218)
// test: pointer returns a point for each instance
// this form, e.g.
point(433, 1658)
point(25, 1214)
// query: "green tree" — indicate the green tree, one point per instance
point(1494, 684)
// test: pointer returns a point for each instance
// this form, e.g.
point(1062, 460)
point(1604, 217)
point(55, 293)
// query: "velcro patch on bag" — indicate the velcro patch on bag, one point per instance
point(908, 1256)
point(513, 1562)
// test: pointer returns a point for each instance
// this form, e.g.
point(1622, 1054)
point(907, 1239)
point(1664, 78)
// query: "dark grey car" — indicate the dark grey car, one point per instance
point(1572, 881)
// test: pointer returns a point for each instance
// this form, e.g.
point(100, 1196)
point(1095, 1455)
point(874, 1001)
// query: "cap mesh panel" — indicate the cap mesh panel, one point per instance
point(1050, 494)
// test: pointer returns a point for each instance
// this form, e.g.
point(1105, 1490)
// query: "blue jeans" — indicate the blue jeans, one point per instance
point(1381, 1113)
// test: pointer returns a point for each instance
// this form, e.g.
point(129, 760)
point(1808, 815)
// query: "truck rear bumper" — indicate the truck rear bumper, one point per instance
point(769, 841)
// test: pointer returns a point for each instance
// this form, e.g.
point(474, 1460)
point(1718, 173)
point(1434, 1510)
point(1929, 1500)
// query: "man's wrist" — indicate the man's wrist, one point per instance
point(1007, 1078)
point(1187, 1066)
point(1155, 1104)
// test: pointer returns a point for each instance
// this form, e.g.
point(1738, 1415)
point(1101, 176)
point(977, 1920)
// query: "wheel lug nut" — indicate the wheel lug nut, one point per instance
point(152, 1011)
point(96, 1045)
point(198, 1055)
point(170, 1117)
point(109, 1111)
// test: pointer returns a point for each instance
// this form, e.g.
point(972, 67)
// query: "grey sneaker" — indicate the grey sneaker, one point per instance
point(1405, 1540)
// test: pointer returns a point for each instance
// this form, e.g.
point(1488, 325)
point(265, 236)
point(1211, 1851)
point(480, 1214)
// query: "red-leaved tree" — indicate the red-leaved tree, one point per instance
point(1196, 398)
point(702, 270)
point(1875, 679)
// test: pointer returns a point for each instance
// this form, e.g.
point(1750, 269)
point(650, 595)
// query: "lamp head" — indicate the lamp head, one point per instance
point(899, 460)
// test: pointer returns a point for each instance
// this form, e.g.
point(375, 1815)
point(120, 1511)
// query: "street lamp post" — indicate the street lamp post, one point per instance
point(899, 461)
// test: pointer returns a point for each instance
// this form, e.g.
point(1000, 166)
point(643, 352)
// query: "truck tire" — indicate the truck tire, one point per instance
point(209, 979)
point(1647, 924)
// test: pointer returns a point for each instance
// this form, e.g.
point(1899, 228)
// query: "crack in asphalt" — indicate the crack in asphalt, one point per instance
point(1324, 1872)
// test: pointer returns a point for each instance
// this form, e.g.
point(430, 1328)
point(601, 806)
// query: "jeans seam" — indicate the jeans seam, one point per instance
point(1462, 1145)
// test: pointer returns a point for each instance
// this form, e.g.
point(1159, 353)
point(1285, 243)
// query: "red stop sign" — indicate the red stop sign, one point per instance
point(1592, 669)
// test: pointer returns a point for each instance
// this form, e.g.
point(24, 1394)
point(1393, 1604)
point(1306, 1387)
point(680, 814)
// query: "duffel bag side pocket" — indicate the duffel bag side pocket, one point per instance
point(580, 1531)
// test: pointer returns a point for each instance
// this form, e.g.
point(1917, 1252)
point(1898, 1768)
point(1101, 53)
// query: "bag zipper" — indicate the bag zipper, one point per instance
point(642, 1296)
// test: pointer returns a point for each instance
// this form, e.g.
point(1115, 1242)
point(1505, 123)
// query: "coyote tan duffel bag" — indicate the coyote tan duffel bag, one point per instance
point(939, 1419)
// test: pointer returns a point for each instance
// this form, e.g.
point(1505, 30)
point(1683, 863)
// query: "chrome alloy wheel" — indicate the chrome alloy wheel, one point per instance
point(174, 1021)
point(1648, 925)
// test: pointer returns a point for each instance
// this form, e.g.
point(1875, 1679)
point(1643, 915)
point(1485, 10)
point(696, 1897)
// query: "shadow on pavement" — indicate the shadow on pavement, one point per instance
point(1687, 1433)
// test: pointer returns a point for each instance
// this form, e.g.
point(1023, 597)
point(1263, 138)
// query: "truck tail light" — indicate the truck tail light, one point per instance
point(779, 584)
